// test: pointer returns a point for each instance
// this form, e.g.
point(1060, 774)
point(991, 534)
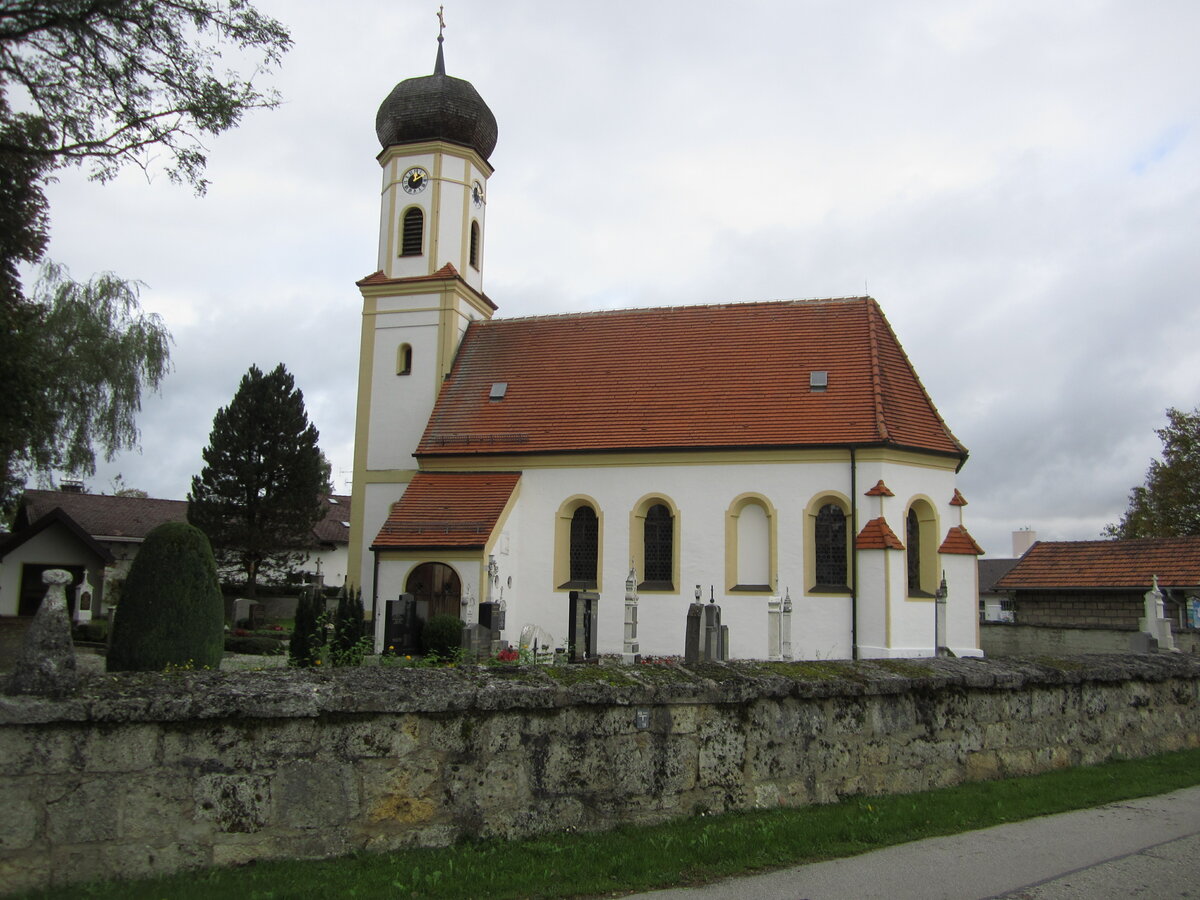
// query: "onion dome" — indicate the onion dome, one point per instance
point(437, 107)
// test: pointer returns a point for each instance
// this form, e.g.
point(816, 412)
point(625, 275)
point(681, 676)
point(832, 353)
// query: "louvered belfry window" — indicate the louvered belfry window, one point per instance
point(830, 540)
point(659, 544)
point(914, 552)
point(413, 233)
point(474, 259)
point(585, 534)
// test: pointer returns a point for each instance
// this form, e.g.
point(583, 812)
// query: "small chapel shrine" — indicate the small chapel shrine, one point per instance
point(755, 455)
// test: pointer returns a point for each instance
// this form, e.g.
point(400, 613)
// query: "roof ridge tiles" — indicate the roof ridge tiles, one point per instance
point(684, 307)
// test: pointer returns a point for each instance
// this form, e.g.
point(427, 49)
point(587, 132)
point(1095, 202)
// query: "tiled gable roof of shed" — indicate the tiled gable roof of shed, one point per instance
point(1099, 565)
point(334, 528)
point(443, 510)
point(693, 377)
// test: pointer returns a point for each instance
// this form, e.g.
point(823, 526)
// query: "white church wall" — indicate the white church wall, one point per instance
point(377, 503)
point(702, 495)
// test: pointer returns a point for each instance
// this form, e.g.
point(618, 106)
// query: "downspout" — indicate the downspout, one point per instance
point(853, 555)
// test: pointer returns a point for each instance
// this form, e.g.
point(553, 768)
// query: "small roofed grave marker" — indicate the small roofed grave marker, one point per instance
point(1155, 623)
point(46, 663)
point(631, 654)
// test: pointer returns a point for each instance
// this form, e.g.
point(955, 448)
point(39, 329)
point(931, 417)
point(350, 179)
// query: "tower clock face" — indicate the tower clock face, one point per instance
point(415, 179)
point(477, 193)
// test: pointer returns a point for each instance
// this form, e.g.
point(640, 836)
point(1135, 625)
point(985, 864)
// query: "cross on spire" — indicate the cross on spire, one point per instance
point(441, 21)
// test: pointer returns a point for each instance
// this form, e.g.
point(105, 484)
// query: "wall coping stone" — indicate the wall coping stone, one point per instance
point(135, 697)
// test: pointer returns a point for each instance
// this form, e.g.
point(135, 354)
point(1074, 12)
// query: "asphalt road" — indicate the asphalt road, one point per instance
point(1138, 848)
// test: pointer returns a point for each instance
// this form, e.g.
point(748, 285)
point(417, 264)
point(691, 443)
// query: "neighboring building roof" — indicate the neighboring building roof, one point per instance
point(991, 570)
point(444, 510)
point(104, 517)
point(109, 518)
point(56, 516)
point(335, 527)
point(437, 107)
point(1101, 565)
point(692, 377)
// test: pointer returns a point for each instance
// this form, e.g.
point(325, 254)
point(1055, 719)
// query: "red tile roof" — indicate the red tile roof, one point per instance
point(445, 510)
point(735, 375)
point(958, 540)
point(958, 499)
point(1107, 564)
point(880, 490)
point(877, 535)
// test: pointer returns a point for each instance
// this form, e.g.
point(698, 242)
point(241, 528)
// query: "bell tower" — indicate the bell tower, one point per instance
point(436, 135)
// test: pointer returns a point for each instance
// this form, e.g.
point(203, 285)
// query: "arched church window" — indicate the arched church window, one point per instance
point(474, 255)
point(413, 232)
point(404, 359)
point(659, 545)
point(914, 552)
point(830, 546)
point(585, 535)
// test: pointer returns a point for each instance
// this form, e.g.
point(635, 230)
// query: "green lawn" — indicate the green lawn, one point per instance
point(681, 852)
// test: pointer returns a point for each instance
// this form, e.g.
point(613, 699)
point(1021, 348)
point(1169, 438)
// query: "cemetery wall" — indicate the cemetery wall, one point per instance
point(138, 774)
point(1011, 639)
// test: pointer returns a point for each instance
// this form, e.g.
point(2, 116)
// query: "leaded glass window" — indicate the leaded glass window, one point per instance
point(914, 552)
point(659, 544)
point(830, 539)
point(585, 534)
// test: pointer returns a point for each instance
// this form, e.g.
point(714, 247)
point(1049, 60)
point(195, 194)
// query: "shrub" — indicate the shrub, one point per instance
point(257, 646)
point(308, 633)
point(171, 612)
point(349, 626)
point(442, 635)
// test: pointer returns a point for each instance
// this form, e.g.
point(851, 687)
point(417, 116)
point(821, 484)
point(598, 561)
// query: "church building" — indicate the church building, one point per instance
point(738, 452)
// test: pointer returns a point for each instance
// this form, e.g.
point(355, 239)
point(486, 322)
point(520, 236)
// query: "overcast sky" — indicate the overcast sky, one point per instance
point(1017, 183)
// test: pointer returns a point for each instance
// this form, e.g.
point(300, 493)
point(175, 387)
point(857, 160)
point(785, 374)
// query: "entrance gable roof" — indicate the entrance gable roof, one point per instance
point(56, 516)
point(447, 510)
point(694, 377)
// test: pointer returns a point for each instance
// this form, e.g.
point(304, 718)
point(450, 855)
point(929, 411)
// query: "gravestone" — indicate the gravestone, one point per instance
point(630, 656)
point(46, 663)
point(691, 640)
point(582, 619)
point(401, 630)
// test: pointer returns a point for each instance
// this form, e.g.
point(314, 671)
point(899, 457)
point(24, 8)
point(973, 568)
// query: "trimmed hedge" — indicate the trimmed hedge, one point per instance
point(442, 634)
point(171, 612)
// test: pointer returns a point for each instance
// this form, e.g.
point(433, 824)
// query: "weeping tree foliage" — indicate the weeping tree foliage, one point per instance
point(1168, 504)
point(259, 493)
point(116, 82)
point(88, 351)
point(102, 84)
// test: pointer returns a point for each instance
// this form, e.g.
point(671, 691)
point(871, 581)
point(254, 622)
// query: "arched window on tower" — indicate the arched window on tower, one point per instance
point(413, 233)
point(474, 256)
point(404, 359)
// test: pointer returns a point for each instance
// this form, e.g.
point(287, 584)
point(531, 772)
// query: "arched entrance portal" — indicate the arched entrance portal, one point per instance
point(438, 586)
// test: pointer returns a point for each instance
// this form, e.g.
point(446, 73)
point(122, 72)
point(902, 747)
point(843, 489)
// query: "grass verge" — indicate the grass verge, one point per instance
point(686, 851)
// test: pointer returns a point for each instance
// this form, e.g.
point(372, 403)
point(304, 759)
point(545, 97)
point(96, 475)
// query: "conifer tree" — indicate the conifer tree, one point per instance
point(258, 495)
point(307, 639)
